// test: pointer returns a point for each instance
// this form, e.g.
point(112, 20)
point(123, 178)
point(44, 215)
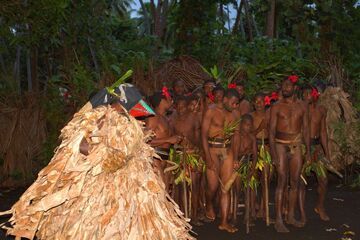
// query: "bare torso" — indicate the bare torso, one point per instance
point(316, 114)
point(188, 127)
point(261, 123)
point(289, 119)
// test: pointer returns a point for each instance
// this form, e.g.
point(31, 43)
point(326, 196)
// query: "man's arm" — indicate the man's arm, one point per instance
point(155, 142)
point(306, 130)
point(205, 134)
point(323, 135)
point(272, 132)
point(235, 140)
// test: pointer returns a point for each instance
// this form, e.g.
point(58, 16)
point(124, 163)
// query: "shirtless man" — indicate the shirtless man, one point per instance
point(164, 137)
point(244, 105)
point(219, 154)
point(218, 93)
point(247, 148)
point(261, 118)
point(185, 124)
point(289, 120)
point(208, 88)
point(319, 149)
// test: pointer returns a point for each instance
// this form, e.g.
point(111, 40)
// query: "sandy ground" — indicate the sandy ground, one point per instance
point(343, 206)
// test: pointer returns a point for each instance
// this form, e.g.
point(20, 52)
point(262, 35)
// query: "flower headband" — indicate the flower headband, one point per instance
point(293, 78)
point(315, 94)
point(232, 85)
point(165, 92)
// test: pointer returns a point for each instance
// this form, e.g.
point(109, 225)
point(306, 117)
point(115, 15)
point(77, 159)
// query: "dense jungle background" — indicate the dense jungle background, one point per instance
point(55, 53)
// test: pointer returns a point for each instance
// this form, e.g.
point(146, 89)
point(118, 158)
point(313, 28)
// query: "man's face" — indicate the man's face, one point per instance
point(179, 88)
point(287, 89)
point(307, 96)
point(181, 107)
point(230, 104)
point(208, 88)
point(219, 95)
point(259, 103)
point(246, 126)
point(240, 89)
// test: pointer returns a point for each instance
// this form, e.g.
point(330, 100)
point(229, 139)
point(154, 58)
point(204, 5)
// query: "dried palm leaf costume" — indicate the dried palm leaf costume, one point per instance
point(111, 193)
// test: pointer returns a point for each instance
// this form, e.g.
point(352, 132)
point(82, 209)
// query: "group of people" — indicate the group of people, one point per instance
point(222, 143)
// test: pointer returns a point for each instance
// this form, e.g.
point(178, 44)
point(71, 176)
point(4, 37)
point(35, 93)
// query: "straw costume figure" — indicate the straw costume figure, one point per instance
point(100, 183)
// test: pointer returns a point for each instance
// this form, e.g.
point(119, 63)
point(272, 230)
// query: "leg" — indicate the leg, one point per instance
point(281, 168)
point(225, 174)
point(302, 193)
point(195, 181)
point(322, 188)
point(212, 175)
point(295, 168)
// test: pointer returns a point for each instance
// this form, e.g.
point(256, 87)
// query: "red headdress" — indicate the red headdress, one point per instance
point(211, 96)
point(315, 94)
point(293, 78)
point(274, 96)
point(165, 92)
point(231, 85)
point(267, 101)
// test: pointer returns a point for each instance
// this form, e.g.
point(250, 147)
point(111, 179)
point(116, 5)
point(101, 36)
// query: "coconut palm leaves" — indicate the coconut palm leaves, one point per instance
point(181, 165)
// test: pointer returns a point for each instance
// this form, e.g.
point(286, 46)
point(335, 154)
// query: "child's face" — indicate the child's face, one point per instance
point(193, 106)
point(181, 107)
point(246, 126)
point(259, 103)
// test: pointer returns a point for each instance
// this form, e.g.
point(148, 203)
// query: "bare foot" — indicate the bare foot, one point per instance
point(303, 222)
point(210, 214)
point(228, 228)
point(280, 227)
point(322, 214)
point(295, 223)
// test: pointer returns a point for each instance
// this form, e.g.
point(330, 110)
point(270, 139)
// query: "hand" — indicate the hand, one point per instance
point(308, 158)
point(209, 162)
point(175, 139)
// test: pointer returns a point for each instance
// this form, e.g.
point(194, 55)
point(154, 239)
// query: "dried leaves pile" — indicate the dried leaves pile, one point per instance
point(112, 193)
point(343, 127)
point(183, 68)
point(23, 132)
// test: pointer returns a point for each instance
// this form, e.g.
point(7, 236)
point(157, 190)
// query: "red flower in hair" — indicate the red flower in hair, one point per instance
point(232, 85)
point(165, 92)
point(315, 94)
point(293, 78)
point(274, 96)
point(211, 96)
point(267, 101)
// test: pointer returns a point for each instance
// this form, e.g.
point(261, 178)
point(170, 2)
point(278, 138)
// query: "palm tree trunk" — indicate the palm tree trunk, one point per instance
point(248, 21)
point(16, 70)
point(270, 20)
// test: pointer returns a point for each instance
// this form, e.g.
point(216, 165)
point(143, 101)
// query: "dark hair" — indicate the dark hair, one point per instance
point(180, 98)
point(240, 83)
point(218, 88)
point(307, 88)
point(246, 117)
point(259, 94)
point(178, 81)
point(209, 81)
point(231, 93)
point(155, 99)
point(192, 97)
